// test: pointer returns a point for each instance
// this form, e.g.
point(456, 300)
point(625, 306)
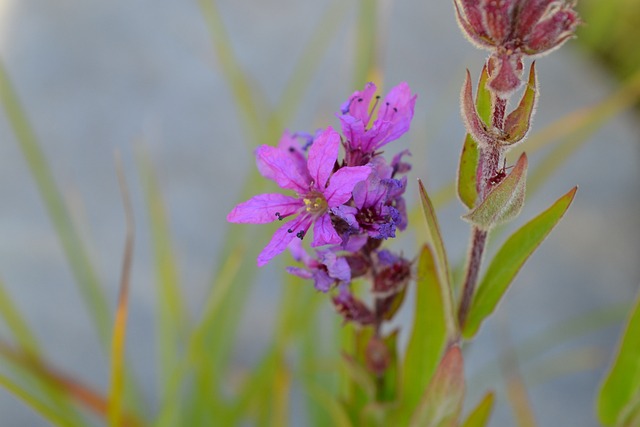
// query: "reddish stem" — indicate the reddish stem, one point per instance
point(489, 163)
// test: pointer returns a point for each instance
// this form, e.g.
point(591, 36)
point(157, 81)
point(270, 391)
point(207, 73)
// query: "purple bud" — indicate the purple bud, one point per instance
point(352, 309)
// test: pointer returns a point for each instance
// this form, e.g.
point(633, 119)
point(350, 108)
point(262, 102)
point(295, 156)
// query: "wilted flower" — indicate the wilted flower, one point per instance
point(326, 271)
point(513, 28)
point(318, 189)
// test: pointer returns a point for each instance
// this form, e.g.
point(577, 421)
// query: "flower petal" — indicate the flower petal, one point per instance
point(300, 272)
point(337, 267)
point(397, 108)
point(322, 281)
point(285, 169)
point(322, 156)
point(358, 103)
point(282, 237)
point(265, 208)
point(324, 233)
point(342, 182)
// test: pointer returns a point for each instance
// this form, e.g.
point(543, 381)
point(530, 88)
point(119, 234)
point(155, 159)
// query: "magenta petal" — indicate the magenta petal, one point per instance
point(282, 237)
point(322, 156)
point(264, 208)
point(337, 267)
point(359, 102)
point(342, 182)
point(300, 272)
point(324, 233)
point(369, 193)
point(398, 108)
point(280, 166)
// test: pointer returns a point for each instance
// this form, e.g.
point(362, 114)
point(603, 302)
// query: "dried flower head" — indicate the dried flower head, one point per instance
point(513, 28)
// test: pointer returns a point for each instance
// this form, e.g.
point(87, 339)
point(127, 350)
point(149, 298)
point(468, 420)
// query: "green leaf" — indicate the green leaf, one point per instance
point(434, 238)
point(467, 168)
point(504, 202)
point(479, 417)
point(441, 404)
point(623, 381)
point(428, 335)
point(467, 172)
point(518, 122)
point(508, 261)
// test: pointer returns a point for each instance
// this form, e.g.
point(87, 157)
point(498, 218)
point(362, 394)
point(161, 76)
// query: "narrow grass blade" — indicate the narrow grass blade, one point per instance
point(307, 65)
point(480, 415)
point(333, 408)
point(61, 389)
point(70, 240)
point(441, 404)
point(428, 335)
point(623, 380)
point(434, 239)
point(49, 414)
point(171, 318)
point(508, 261)
point(244, 93)
point(117, 376)
point(17, 324)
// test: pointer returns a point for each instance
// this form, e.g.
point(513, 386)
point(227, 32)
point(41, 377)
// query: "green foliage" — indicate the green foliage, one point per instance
point(508, 261)
point(479, 417)
point(428, 335)
point(619, 398)
point(441, 403)
point(504, 202)
point(434, 239)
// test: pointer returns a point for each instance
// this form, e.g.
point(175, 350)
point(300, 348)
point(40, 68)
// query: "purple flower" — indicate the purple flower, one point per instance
point(326, 271)
point(364, 135)
point(318, 189)
point(378, 207)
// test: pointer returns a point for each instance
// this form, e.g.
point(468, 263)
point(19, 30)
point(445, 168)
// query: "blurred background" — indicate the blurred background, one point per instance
point(192, 89)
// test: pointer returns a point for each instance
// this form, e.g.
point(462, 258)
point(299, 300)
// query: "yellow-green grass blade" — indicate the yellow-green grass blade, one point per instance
point(17, 324)
point(622, 384)
point(117, 360)
point(171, 318)
point(74, 249)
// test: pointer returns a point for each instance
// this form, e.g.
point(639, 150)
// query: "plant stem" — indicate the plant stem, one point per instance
point(488, 164)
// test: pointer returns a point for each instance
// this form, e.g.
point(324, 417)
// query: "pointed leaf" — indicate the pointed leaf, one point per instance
point(428, 335)
point(441, 404)
point(518, 122)
point(480, 415)
point(623, 381)
point(478, 129)
point(467, 169)
point(504, 202)
point(509, 259)
point(434, 238)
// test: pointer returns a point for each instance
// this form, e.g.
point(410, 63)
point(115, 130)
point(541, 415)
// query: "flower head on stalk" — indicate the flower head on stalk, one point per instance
point(317, 186)
point(513, 28)
point(363, 134)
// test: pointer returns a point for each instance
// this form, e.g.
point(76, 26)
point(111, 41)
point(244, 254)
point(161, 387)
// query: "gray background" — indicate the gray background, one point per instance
point(98, 76)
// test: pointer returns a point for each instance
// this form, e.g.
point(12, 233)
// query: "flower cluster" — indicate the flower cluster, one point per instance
point(353, 203)
point(513, 28)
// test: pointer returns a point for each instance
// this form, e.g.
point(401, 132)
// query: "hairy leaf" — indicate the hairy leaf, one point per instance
point(508, 261)
point(468, 167)
point(517, 124)
point(504, 202)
